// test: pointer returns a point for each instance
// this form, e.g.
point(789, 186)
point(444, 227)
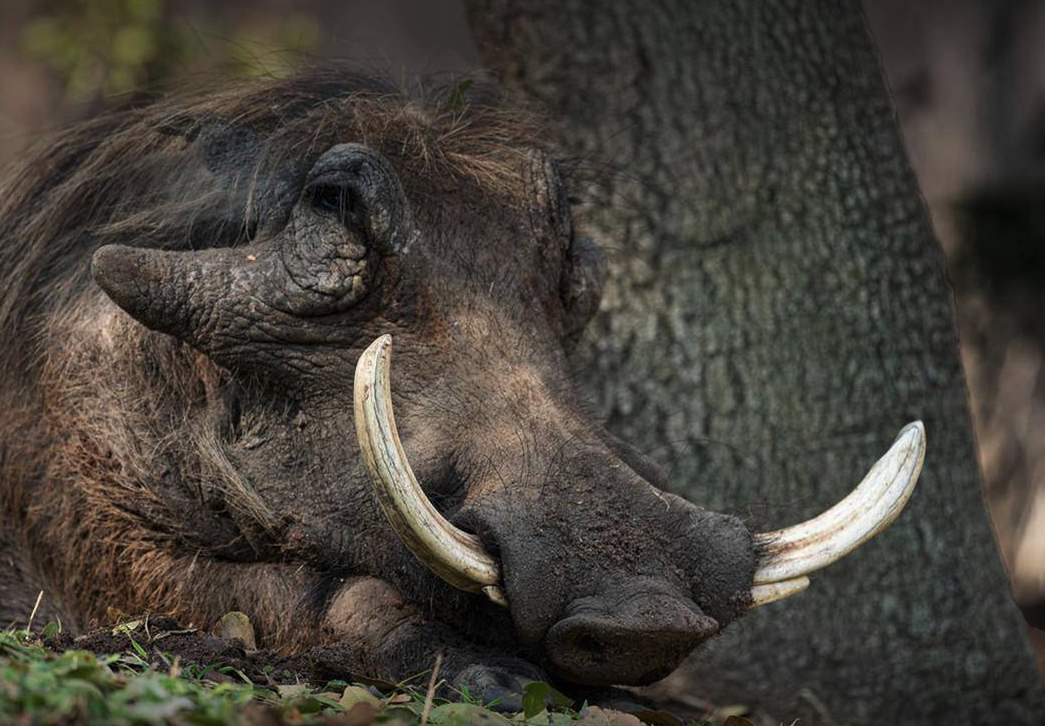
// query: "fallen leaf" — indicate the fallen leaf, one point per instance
point(595, 716)
point(236, 625)
point(218, 677)
point(354, 695)
point(361, 714)
point(128, 627)
point(465, 714)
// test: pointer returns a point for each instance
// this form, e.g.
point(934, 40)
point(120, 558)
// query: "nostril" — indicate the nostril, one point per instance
point(628, 646)
point(590, 645)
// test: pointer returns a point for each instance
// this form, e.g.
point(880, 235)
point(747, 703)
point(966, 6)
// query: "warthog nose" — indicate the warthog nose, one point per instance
point(635, 642)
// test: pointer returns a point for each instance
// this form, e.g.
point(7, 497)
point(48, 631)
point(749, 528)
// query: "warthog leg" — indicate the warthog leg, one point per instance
point(373, 631)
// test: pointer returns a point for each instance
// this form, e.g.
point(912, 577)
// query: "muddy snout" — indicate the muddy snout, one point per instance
point(635, 635)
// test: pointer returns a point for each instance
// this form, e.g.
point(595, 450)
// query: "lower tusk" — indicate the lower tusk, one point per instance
point(496, 595)
point(797, 551)
point(454, 555)
point(765, 594)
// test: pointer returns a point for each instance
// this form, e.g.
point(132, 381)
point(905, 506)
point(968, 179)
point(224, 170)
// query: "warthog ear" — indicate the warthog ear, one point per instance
point(549, 205)
point(250, 168)
point(226, 301)
point(225, 148)
point(582, 281)
point(582, 260)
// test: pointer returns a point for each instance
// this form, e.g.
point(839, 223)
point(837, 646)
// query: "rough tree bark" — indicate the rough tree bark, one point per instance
point(777, 311)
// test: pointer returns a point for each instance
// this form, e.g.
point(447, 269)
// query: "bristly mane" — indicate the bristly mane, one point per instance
point(189, 172)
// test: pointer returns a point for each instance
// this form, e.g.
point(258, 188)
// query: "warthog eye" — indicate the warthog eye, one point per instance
point(341, 201)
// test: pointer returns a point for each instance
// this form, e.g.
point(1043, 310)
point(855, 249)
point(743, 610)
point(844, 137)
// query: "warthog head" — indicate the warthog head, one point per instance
point(491, 473)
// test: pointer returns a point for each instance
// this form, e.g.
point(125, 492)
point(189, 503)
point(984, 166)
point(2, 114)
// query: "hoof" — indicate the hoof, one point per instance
point(499, 686)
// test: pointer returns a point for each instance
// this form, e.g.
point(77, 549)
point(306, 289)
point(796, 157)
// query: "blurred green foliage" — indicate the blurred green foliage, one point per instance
point(104, 49)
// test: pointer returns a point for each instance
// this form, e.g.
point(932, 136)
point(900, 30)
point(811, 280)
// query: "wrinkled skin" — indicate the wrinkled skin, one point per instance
point(610, 580)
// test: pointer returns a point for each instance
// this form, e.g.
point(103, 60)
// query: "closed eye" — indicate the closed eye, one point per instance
point(341, 201)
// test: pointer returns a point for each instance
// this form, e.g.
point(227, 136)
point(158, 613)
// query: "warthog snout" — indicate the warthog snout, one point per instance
point(605, 530)
point(633, 634)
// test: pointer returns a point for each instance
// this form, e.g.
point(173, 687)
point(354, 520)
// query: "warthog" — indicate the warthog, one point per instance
point(199, 307)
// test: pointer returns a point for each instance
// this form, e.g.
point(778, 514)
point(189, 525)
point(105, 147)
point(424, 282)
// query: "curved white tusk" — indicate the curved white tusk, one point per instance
point(456, 556)
point(773, 591)
point(797, 551)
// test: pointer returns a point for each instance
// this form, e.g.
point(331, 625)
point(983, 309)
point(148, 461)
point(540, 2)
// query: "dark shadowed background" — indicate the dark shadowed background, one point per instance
point(968, 80)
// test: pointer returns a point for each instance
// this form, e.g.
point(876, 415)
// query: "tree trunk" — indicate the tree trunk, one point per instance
point(777, 310)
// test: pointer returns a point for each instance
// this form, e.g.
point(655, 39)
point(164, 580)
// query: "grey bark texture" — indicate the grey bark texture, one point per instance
point(777, 310)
